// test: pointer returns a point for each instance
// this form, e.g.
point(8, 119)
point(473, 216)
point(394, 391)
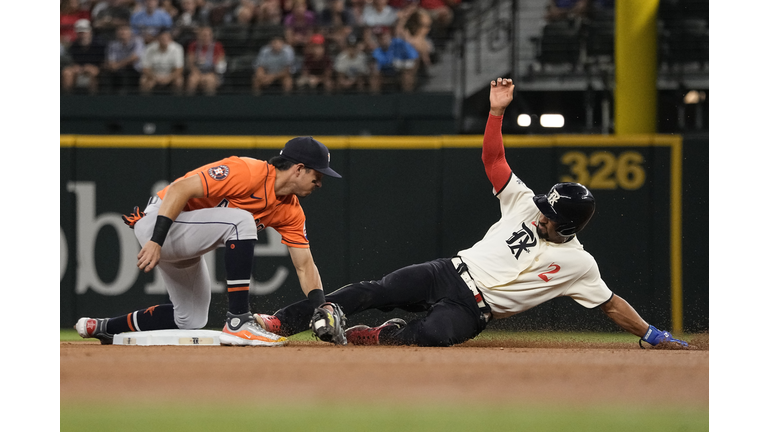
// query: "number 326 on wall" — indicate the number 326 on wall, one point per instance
point(605, 170)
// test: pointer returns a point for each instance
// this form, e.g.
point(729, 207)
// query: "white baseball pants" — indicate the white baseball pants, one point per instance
point(192, 235)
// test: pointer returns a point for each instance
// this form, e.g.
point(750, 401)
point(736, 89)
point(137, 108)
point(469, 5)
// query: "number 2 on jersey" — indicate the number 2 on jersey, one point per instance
point(555, 268)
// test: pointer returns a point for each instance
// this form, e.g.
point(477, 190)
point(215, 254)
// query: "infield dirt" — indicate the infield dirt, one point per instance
point(528, 372)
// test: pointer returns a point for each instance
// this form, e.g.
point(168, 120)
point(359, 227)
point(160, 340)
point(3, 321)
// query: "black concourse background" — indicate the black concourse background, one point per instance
point(394, 208)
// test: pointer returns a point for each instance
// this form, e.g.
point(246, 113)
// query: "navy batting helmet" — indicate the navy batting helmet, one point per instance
point(570, 205)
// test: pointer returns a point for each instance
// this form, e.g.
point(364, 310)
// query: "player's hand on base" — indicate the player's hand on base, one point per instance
point(149, 256)
point(501, 95)
point(663, 338)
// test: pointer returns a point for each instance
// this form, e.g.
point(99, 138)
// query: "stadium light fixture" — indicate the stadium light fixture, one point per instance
point(552, 120)
point(694, 97)
point(523, 120)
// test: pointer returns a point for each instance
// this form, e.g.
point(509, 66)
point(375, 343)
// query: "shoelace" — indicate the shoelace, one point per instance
point(134, 217)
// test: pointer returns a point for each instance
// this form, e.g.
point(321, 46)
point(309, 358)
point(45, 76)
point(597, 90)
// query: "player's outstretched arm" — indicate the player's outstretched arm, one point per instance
point(496, 167)
point(306, 270)
point(623, 314)
point(178, 194)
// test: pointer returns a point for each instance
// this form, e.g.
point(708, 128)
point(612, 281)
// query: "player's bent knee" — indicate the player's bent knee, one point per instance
point(243, 226)
point(432, 337)
point(191, 322)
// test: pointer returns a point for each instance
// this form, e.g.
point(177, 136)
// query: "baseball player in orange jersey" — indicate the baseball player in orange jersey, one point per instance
point(224, 204)
point(531, 255)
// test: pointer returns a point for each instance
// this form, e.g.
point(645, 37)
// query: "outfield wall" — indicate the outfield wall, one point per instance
point(402, 200)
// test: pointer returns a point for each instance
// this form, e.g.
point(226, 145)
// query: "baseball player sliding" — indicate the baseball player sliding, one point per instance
point(529, 256)
point(225, 204)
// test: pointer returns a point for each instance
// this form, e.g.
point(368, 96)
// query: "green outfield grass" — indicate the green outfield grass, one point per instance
point(378, 418)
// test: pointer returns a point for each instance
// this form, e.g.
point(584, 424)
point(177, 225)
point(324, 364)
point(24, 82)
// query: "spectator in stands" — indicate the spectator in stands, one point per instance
point(336, 14)
point(69, 13)
point(123, 62)
point(219, 12)
point(246, 12)
point(97, 7)
point(108, 15)
point(270, 13)
point(395, 62)
point(317, 66)
point(299, 26)
point(352, 66)
point(286, 6)
point(149, 35)
point(170, 7)
point(206, 62)
point(369, 40)
point(150, 19)
point(274, 66)
point(442, 13)
point(566, 10)
point(187, 22)
point(163, 65)
point(87, 58)
point(414, 25)
point(337, 24)
point(317, 5)
point(356, 8)
point(379, 13)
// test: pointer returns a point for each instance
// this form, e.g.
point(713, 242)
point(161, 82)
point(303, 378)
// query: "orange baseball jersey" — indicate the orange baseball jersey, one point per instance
point(249, 184)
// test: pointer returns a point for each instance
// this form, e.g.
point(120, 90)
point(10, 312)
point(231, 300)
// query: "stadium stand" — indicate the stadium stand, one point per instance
point(242, 39)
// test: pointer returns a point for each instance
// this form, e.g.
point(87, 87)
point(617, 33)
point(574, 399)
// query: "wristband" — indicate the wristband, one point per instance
point(316, 297)
point(162, 225)
point(653, 336)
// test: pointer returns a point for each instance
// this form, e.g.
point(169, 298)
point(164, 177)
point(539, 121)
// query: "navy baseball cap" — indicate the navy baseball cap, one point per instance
point(311, 152)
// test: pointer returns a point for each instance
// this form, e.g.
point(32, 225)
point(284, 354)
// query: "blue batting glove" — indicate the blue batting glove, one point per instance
point(655, 336)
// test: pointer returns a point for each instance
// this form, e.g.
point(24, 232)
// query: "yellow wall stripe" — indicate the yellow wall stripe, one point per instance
point(364, 143)
point(140, 141)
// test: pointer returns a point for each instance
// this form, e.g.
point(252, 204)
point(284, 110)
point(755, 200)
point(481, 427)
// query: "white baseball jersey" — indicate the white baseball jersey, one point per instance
point(515, 270)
